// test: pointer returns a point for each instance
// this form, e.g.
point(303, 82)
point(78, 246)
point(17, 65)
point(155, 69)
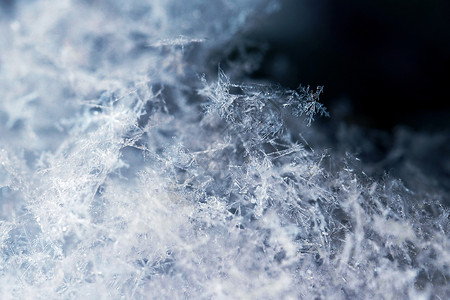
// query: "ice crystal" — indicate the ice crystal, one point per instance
point(259, 109)
point(125, 176)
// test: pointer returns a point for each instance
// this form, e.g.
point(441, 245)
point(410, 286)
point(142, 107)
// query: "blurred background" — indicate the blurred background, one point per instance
point(387, 61)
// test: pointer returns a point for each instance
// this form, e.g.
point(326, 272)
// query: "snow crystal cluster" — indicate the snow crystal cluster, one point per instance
point(132, 167)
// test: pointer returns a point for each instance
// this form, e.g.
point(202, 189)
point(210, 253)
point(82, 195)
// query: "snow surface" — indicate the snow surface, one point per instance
point(133, 168)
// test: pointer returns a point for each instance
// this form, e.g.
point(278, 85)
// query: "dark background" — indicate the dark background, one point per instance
point(388, 61)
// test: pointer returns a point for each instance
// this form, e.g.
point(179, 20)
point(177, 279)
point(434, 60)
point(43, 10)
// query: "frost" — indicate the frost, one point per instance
point(309, 106)
point(257, 108)
point(124, 175)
